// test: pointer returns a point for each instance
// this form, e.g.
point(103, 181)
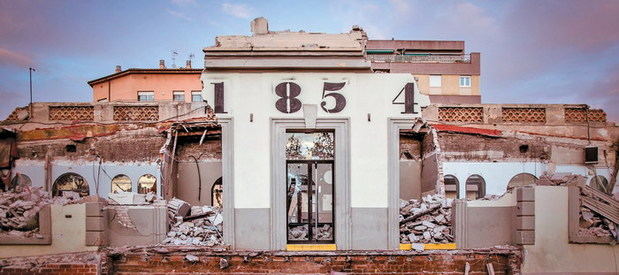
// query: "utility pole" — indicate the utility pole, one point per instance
point(30, 106)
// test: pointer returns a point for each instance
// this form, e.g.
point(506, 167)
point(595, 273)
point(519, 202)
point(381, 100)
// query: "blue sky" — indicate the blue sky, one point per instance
point(532, 51)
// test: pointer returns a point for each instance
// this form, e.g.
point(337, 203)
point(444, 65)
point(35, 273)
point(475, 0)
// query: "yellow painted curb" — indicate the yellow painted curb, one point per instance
point(430, 246)
point(310, 247)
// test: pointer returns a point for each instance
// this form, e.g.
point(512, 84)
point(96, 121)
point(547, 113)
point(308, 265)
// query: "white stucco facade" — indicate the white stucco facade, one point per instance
point(250, 99)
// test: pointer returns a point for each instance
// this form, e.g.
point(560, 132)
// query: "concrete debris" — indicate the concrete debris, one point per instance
point(223, 263)
point(592, 224)
point(177, 208)
point(561, 179)
point(204, 230)
point(426, 221)
point(191, 258)
point(301, 232)
point(19, 210)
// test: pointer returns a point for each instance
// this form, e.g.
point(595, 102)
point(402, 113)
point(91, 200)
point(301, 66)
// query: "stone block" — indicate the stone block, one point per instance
point(525, 223)
point(526, 208)
point(96, 238)
point(95, 223)
point(94, 209)
point(525, 194)
point(525, 237)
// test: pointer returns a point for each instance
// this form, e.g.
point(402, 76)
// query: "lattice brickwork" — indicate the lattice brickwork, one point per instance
point(14, 115)
point(461, 114)
point(528, 115)
point(136, 113)
point(579, 115)
point(86, 113)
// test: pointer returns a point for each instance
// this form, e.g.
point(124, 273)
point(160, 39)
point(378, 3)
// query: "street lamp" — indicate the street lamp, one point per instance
point(30, 106)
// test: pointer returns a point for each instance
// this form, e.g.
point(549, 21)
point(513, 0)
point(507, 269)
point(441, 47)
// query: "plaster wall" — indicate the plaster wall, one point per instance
point(68, 234)
point(126, 88)
point(498, 174)
point(35, 170)
point(188, 184)
point(250, 99)
point(450, 85)
point(552, 252)
point(410, 179)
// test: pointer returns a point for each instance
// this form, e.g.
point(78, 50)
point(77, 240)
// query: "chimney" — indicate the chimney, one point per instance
point(161, 64)
point(188, 64)
point(259, 25)
point(118, 69)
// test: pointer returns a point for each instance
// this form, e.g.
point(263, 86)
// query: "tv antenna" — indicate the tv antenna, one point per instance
point(174, 54)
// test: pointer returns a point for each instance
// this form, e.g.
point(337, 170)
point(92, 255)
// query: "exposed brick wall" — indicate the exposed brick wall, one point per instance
point(160, 260)
point(316, 263)
point(75, 263)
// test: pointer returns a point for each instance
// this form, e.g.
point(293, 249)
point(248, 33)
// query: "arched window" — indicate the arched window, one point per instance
point(70, 182)
point(601, 183)
point(121, 183)
point(20, 181)
point(147, 183)
point(522, 179)
point(475, 187)
point(217, 193)
point(452, 188)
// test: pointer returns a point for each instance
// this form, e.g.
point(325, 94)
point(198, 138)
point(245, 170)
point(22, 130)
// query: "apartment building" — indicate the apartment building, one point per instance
point(443, 69)
point(139, 85)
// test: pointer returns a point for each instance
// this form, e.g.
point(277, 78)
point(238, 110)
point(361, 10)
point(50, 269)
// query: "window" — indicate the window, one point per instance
point(522, 179)
point(146, 184)
point(20, 182)
point(121, 183)
point(435, 81)
point(475, 187)
point(178, 96)
point(451, 187)
point(196, 96)
point(465, 81)
point(70, 182)
point(146, 96)
point(216, 193)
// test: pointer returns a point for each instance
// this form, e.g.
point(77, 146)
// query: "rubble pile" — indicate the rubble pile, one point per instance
point(301, 232)
point(426, 221)
point(204, 227)
point(592, 224)
point(19, 209)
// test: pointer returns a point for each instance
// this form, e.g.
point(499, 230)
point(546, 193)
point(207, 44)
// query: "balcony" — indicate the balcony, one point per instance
point(464, 58)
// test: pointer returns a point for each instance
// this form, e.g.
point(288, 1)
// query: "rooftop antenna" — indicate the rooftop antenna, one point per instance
point(174, 54)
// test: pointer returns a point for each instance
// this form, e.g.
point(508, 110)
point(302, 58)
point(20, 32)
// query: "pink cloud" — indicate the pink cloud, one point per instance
point(8, 57)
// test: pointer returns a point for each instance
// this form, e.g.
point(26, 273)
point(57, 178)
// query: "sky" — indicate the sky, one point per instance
point(562, 51)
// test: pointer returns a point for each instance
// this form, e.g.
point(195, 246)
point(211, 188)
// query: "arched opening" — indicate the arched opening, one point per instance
point(70, 182)
point(452, 188)
point(601, 183)
point(475, 187)
point(522, 179)
point(217, 193)
point(121, 183)
point(20, 181)
point(147, 183)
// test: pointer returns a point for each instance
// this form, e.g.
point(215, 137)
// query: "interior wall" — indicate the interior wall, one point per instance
point(187, 184)
point(410, 179)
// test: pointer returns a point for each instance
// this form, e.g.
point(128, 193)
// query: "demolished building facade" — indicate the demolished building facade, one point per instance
point(303, 143)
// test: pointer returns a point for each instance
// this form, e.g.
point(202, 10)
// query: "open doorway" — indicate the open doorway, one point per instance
point(310, 180)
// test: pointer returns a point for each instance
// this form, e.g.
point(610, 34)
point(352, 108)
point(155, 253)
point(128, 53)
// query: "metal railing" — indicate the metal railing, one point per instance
point(464, 58)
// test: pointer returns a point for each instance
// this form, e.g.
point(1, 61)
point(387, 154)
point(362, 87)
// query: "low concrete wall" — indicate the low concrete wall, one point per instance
point(484, 223)
point(136, 225)
point(68, 234)
point(552, 252)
